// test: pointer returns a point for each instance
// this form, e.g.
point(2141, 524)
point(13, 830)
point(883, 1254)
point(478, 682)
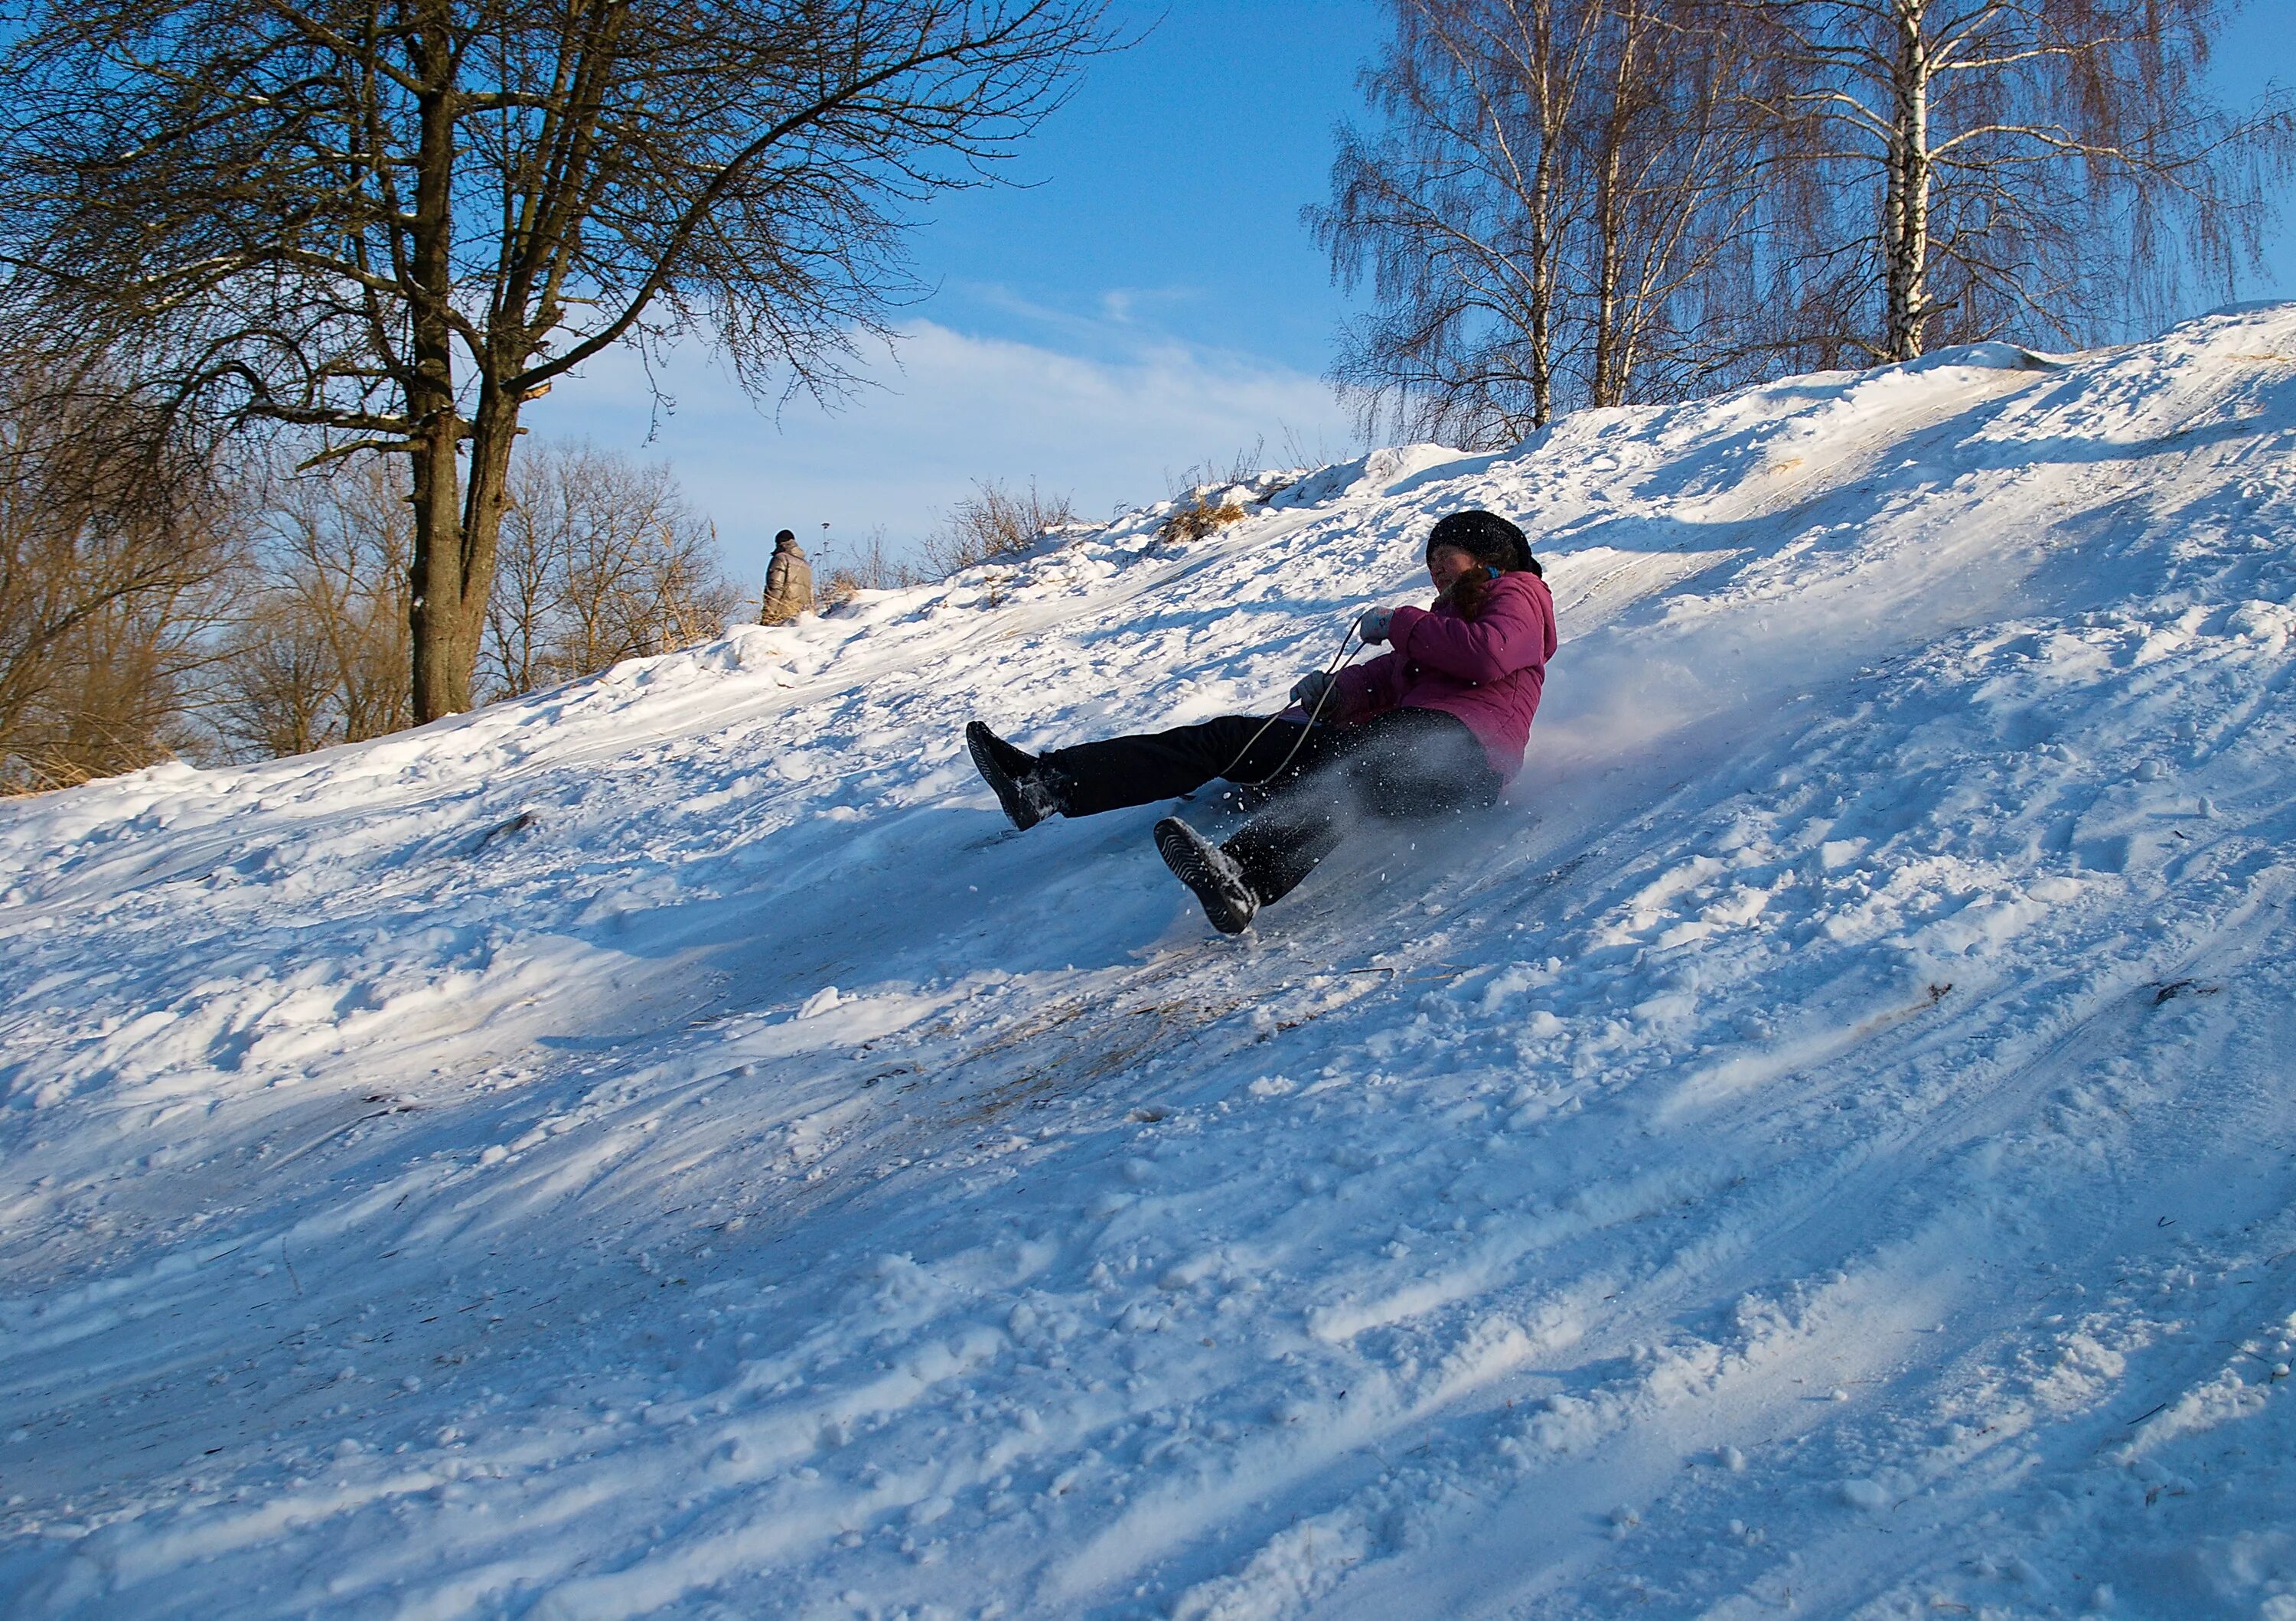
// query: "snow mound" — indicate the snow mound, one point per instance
point(664, 1146)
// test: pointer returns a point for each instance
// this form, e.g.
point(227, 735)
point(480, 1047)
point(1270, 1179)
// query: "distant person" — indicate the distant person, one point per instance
point(789, 582)
point(1436, 726)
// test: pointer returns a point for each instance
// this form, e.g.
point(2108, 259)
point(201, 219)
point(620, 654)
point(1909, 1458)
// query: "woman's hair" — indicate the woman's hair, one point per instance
point(1491, 541)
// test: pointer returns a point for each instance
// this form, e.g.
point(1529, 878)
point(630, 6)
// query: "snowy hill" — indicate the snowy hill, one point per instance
point(664, 1148)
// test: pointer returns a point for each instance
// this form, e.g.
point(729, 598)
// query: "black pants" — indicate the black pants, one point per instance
point(1405, 765)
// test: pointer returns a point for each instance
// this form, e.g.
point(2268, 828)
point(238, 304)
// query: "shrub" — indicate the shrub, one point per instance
point(871, 567)
point(995, 521)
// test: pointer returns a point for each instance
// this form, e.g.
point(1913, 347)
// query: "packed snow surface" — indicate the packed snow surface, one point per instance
point(666, 1147)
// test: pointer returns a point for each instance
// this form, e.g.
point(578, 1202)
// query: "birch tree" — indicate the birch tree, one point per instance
point(1972, 167)
point(1550, 202)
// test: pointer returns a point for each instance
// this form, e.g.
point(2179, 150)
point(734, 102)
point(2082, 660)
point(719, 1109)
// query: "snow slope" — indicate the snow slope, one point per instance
point(664, 1148)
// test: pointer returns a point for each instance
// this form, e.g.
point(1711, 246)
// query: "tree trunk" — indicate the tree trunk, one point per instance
point(1543, 235)
point(1608, 386)
point(435, 610)
point(1906, 213)
point(1542, 292)
point(1611, 369)
point(493, 431)
point(456, 533)
point(437, 603)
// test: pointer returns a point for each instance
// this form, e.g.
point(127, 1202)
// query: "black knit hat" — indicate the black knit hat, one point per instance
point(1488, 538)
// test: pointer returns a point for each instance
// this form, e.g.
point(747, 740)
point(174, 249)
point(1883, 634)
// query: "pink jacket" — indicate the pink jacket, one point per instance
point(1488, 671)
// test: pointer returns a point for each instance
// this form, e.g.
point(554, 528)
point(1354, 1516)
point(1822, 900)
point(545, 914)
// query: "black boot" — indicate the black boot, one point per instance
point(1210, 872)
point(1028, 791)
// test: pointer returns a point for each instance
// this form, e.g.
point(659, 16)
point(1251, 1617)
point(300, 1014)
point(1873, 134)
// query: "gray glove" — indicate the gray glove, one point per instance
point(1373, 625)
point(1308, 690)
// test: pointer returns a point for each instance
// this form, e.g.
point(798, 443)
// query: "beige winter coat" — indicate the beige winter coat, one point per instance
point(789, 585)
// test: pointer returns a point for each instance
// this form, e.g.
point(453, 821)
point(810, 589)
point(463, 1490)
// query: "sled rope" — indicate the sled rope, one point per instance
point(1331, 670)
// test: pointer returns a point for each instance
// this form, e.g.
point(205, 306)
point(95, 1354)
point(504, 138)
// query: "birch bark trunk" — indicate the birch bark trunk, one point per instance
point(1905, 208)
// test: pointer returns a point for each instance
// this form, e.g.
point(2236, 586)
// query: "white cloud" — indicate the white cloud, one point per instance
point(944, 409)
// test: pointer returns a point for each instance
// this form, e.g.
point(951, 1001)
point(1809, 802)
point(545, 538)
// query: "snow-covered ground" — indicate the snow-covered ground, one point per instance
point(664, 1148)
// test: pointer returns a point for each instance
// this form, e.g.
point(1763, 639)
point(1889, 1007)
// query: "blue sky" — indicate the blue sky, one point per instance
point(1145, 301)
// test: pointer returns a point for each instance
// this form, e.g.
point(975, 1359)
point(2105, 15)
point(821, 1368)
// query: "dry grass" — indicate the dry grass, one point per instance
point(995, 522)
point(1199, 519)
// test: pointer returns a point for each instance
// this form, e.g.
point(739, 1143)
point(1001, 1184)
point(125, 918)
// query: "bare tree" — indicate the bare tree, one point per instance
point(1556, 193)
point(602, 559)
point(1673, 167)
point(1954, 169)
point(316, 653)
point(397, 224)
point(273, 690)
point(515, 655)
point(1454, 210)
point(114, 534)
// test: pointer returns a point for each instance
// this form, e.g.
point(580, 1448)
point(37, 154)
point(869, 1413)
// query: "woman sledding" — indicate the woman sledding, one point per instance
point(1436, 726)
